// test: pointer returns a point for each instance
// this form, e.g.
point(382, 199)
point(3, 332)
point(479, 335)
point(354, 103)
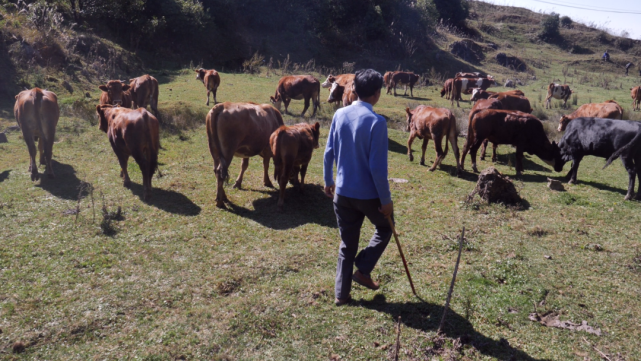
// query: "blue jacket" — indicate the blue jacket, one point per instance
point(357, 141)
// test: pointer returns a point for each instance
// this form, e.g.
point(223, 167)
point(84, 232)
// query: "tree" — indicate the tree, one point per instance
point(550, 27)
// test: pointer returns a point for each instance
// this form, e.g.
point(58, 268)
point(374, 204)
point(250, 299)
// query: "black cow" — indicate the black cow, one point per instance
point(605, 138)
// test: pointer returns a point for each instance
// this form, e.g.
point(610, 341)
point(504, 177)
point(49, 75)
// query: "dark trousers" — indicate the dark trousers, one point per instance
point(350, 214)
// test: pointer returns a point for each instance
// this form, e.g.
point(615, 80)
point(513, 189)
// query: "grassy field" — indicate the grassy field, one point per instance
point(177, 278)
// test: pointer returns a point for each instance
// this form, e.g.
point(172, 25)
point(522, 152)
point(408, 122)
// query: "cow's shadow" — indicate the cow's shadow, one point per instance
point(311, 206)
point(394, 146)
point(4, 175)
point(601, 186)
point(425, 317)
point(65, 185)
point(167, 200)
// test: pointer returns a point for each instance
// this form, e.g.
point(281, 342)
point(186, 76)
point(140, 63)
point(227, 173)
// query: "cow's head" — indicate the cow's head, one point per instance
point(563, 123)
point(336, 93)
point(103, 118)
point(476, 94)
point(114, 89)
point(200, 74)
point(409, 119)
point(442, 92)
point(316, 134)
point(557, 158)
point(329, 81)
point(276, 100)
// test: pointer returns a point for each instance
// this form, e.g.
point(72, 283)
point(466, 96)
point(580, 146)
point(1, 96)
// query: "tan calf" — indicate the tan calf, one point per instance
point(424, 122)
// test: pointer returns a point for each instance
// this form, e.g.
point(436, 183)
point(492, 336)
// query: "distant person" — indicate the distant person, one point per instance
point(627, 67)
point(357, 142)
point(606, 56)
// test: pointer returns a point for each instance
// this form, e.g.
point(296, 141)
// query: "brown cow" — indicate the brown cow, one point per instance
point(241, 130)
point(297, 87)
point(608, 109)
point(460, 85)
point(522, 130)
point(345, 94)
point(636, 97)
point(292, 148)
point(115, 92)
point(557, 91)
point(342, 79)
point(480, 105)
point(515, 92)
point(211, 80)
point(447, 88)
point(403, 78)
point(132, 132)
point(144, 91)
point(428, 123)
point(37, 114)
point(478, 93)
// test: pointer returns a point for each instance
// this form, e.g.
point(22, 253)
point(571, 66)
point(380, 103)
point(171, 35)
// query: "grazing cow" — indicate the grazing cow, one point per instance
point(344, 94)
point(211, 80)
point(241, 130)
point(557, 91)
point(605, 138)
point(132, 132)
point(292, 148)
point(428, 123)
point(514, 92)
point(115, 92)
point(342, 79)
point(461, 85)
point(144, 91)
point(609, 109)
point(506, 102)
point(403, 78)
point(522, 130)
point(636, 97)
point(297, 87)
point(447, 88)
point(37, 114)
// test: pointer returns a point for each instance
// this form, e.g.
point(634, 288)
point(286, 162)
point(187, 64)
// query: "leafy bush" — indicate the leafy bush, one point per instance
point(550, 27)
point(453, 12)
point(566, 22)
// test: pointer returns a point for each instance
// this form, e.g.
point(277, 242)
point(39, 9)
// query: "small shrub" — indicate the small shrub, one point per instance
point(575, 99)
point(252, 65)
point(550, 27)
point(566, 22)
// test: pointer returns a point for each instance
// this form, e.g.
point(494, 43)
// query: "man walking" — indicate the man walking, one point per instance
point(357, 142)
point(627, 67)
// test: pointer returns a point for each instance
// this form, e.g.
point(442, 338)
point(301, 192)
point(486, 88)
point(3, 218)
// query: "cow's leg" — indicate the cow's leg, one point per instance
point(266, 181)
point(574, 170)
point(243, 167)
point(423, 149)
point(48, 153)
point(31, 145)
point(405, 92)
point(630, 167)
point(473, 149)
point(306, 106)
point(221, 197)
point(282, 182)
point(411, 91)
point(293, 176)
point(123, 159)
point(637, 167)
point(286, 102)
point(394, 86)
point(547, 102)
point(437, 138)
point(519, 161)
point(410, 140)
point(454, 144)
point(466, 148)
point(208, 97)
point(214, 91)
point(494, 147)
point(484, 149)
point(303, 172)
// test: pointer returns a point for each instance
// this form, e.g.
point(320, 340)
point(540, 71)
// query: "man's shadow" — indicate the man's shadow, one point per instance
point(4, 175)
point(425, 316)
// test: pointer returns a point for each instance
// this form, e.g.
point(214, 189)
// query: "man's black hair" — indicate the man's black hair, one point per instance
point(367, 82)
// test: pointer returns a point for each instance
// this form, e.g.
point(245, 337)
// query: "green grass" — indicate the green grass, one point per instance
point(179, 277)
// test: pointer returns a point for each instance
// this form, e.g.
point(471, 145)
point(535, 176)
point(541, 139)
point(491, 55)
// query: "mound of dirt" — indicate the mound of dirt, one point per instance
point(467, 50)
point(511, 62)
point(494, 187)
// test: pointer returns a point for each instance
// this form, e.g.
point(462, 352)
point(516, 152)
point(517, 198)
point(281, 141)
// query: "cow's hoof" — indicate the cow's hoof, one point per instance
point(237, 185)
point(494, 160)
point(572, 181)
point(411, 158)
point(220, 204)
point(482, 158)
point(35, 176)
point(627, 197)
point(476, 170)
point(423, 162)
point(126, 183)
point(432, 169)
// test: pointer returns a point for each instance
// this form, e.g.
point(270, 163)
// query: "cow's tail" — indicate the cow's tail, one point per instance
point(632, 146)
point(154, 141)
point(222, 171)
point(37, 103)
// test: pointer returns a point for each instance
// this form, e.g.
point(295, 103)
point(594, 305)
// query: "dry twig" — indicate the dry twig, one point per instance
point(449, 293)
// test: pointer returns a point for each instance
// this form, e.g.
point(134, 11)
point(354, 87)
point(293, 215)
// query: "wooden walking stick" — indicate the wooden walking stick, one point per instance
point(400, 250)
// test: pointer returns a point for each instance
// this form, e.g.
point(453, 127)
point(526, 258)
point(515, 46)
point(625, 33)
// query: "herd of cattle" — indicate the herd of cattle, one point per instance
point(247, 129)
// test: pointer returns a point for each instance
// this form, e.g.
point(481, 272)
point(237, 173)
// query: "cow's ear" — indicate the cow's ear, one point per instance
point(317, 126)
point(98, 108)
point(125, 87)
point(271, 97)
point(409, 112)
point(103, 88)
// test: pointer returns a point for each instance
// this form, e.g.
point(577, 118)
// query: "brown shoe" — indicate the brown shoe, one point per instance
point(365, 281)
point(342, 301)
